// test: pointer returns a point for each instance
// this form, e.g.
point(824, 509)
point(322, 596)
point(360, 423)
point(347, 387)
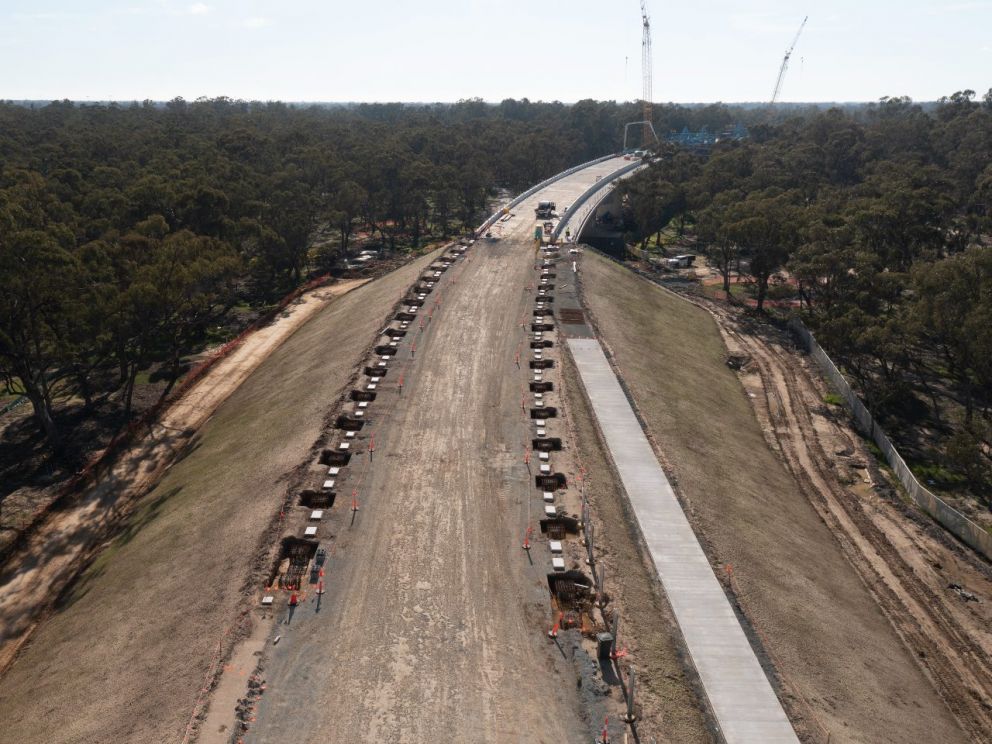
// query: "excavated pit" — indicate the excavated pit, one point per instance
point(291, 565)
point(547, 287)
point(543, 344)
point(543, 412)
point(540, 312)
point(376, 371)
point(405, 317)
point(552, 482)
point(413, 302)
point(571, 589)
point(317, 499)
point(549, 275)
point(544, 298)
point(556, 528)
point(362, 395)
point(334, 458)
point(395, 332)
point(385, 350)
point(542, 326)
point(542, 387)
point(349, 424)
point(546, 444)
point(542, 363)
point(422, 289)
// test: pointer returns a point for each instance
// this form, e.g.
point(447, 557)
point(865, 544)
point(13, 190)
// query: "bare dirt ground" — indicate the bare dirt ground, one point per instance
point(142, 626)
point(433, 627)
point(32, 578)
point(907, 560)
point(843, 669)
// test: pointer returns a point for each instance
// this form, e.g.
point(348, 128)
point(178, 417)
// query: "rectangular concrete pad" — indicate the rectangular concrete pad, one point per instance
point(740, 695)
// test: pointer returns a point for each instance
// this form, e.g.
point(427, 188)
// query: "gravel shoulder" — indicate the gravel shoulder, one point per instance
point(841, 666)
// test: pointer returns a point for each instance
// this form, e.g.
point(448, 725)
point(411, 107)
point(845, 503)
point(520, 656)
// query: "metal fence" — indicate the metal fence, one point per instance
point(17, 403)
point(947, 516)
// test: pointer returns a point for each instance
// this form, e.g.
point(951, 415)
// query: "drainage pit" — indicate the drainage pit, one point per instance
point(317, 499)
point(542, 344)
point(543, 412)
point(376, 371)
point(395, 332)
point(349, 424)
point(413, 302)
point(405, 317)
point(542, 326)
point(542, 363)
point(557, 528)
point(552, 482)
point(545, 298)
point(542, 387)
point(540, 312)
point(366, 395)
point(570, 589)
point(384, 350)
point(336, 458)
point(294, 557)
point(546, 444)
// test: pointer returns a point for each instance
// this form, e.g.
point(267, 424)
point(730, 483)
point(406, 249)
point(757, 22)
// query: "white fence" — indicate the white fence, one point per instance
point(950, 518)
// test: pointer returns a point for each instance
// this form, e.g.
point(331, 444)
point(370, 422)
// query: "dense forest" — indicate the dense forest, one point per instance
point(128, 232)
point(879, 222)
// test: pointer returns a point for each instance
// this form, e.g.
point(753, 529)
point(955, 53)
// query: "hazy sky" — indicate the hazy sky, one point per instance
point(443, 50)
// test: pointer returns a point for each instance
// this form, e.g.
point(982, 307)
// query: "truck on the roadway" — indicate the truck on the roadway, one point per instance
point(544, 210)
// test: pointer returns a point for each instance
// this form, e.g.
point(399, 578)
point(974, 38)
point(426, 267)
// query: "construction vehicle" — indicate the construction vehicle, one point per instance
point(545, 210)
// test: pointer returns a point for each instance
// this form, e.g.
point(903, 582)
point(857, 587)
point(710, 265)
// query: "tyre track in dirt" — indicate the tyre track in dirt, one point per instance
point(955, 661)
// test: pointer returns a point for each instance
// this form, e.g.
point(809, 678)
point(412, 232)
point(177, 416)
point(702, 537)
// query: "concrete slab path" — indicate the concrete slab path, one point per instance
point(741, 697)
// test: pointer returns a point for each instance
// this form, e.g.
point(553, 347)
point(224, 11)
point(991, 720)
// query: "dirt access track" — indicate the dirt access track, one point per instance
point(844, 589)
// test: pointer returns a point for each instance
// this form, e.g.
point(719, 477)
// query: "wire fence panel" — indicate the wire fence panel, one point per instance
point(946, 515)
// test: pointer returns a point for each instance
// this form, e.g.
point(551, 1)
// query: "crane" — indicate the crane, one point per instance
point(646, 92)
point(785, 60)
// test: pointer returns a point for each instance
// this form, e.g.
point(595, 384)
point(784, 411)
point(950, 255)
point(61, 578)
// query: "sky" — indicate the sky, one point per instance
point(446, 50)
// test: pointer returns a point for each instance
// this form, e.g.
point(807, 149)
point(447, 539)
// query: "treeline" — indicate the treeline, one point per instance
point(126, 232)
point(881, 222)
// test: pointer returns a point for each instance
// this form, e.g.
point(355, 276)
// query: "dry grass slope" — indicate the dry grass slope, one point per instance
point(841, 662)
point(125, 654)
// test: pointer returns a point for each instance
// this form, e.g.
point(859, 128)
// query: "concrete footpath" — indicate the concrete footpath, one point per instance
point(740, 695)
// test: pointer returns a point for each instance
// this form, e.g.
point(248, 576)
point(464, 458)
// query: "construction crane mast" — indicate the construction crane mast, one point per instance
point(785, 61)
point(646, 68)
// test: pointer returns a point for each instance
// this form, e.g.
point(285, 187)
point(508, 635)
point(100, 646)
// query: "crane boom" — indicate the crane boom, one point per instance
point(646, 73)
point(785, 61)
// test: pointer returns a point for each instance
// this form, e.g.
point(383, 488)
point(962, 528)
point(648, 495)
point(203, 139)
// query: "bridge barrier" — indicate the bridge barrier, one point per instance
point(946, 515)
point(534, 189)
point(589, 193)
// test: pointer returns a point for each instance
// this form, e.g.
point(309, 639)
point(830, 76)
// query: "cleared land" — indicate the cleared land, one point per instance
point(434, 622)
point(842, 667)
point(125, 653)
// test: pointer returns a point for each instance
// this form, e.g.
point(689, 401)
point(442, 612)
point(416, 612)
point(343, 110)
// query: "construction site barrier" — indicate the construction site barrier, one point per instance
point(967, 531)
point(534, 189)
point(946, 515)
point(15, 404)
